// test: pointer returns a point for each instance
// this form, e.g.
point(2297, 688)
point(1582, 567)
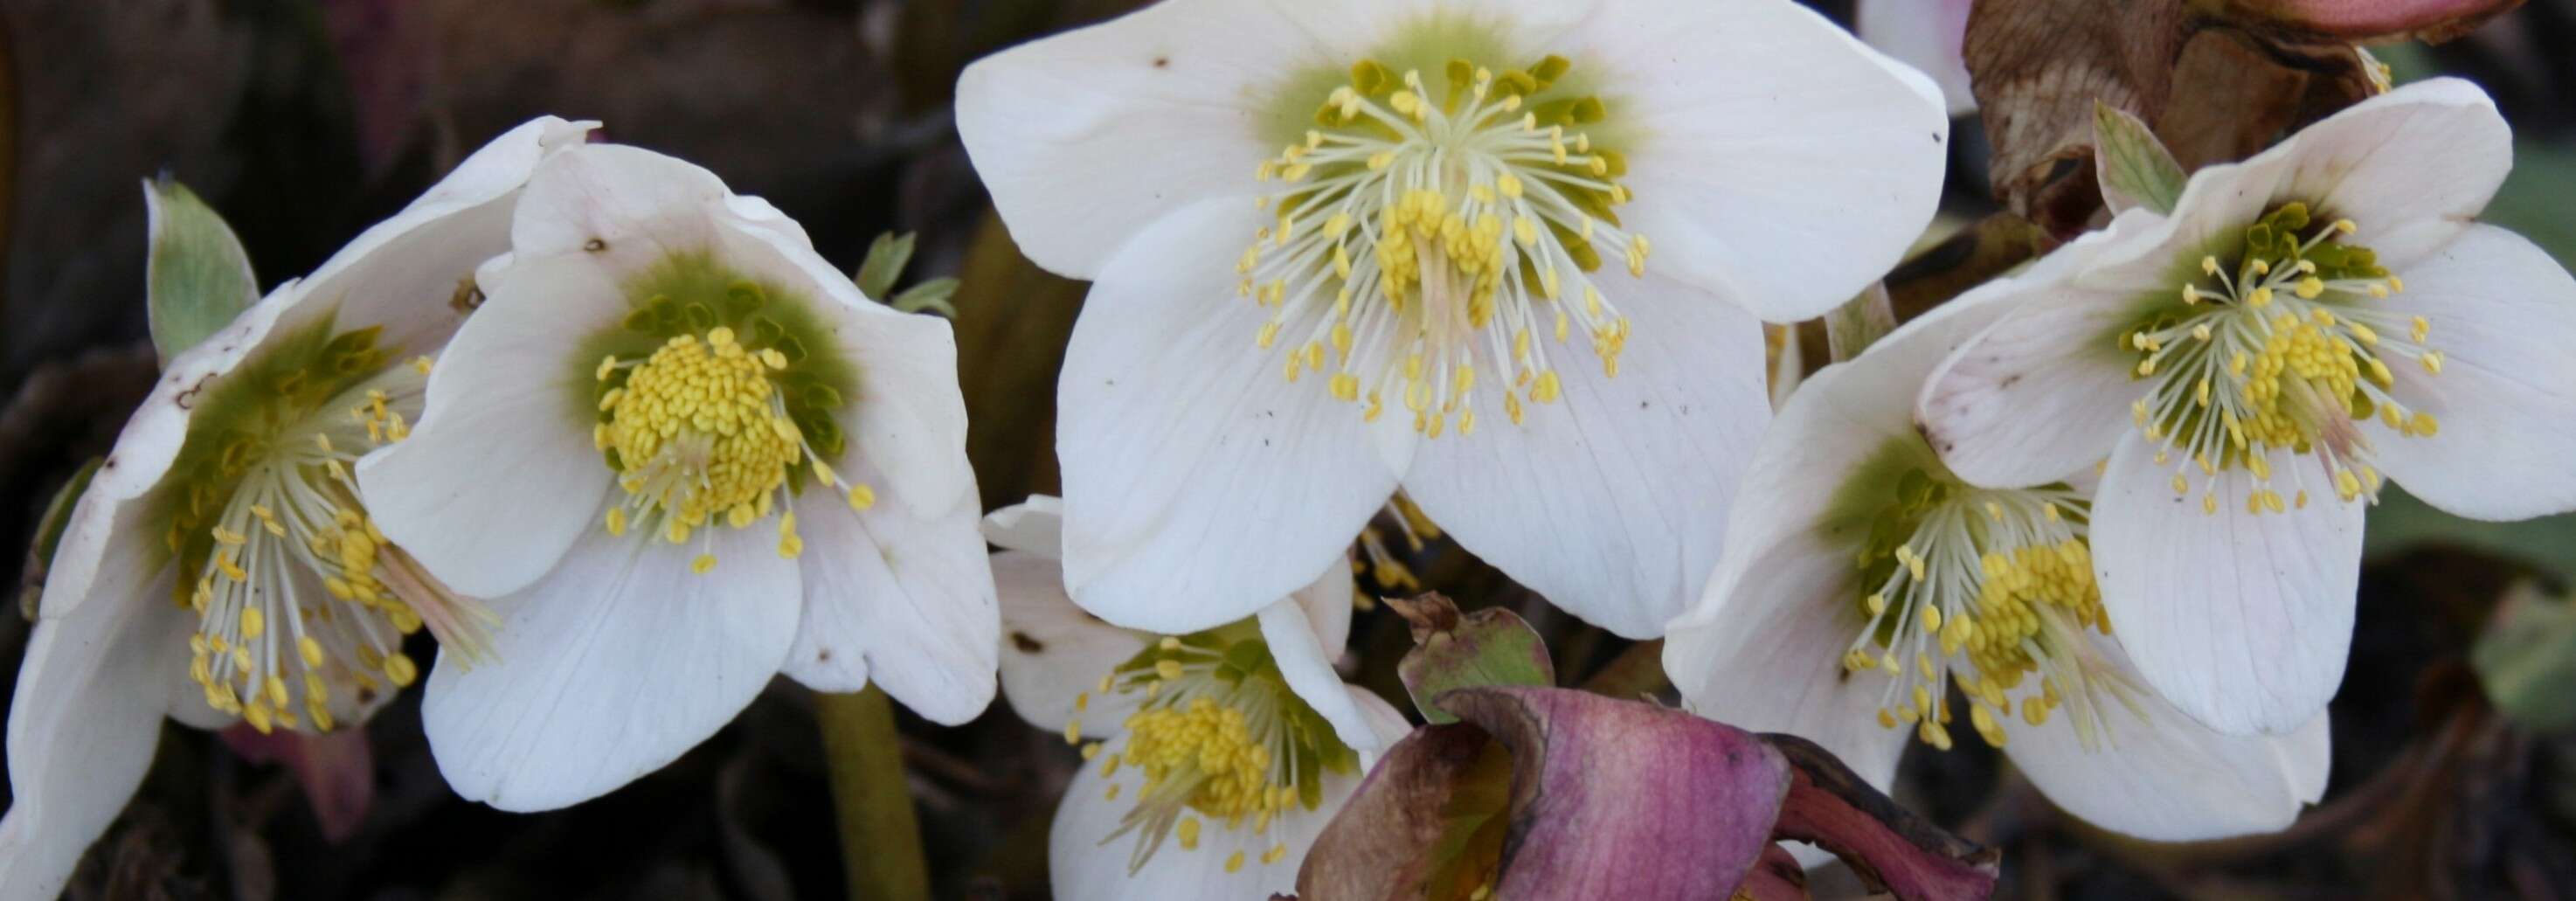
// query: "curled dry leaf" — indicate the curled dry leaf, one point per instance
point(2219, 79)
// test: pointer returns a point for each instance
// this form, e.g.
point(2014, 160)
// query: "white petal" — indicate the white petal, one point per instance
point(82, 729)
point(1052, 651)
point(405, 272)
point(1087, 138)
point(1778, 162)
point(2166, 778)
point(1928, 35)
point(1612, 500)
point(1035, 525)
point(2240, 620)
point(2504, 315)
point(1308, 667)
point(1769, 659)
point(1327, 605)
point(2043, 392)
point(625, 208)
point(1199, 485)
point(610, 667)
point(1082, 868)
point(2411, 167)
point(907, 418)
point(94, 540)
point(500, 476)
point(912, 596)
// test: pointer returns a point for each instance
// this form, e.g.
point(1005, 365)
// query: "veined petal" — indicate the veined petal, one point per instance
point(912, 596)
point(1308, 667)
point(908, 419)
point(1928, 35)
point(1612, 500)
point(1052, 651)
point(2162, 777)
point(2503, 314)
point(1327, 605)
point(408, 273)
point(1083, 868)
point(82, 728)
point(1199, 484)
point(2241, 620)
point(1779, 163)
point(611, 666)
point(500, 476)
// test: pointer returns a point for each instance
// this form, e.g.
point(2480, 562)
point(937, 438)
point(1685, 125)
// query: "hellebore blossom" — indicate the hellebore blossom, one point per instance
point(1237, 743)
point(221, 567)
point(1340, 248)
point(2300, 327)
point(1865, 581)
point(680, 453)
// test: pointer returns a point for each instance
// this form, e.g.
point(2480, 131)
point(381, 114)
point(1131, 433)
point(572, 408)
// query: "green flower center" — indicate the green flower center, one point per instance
point(716, 400)
point(1439, 224)
point(2283, 348)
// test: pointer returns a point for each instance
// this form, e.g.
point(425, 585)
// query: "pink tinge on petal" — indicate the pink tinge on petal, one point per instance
point(1889, 847)
point(2357, 20)
point(336, 768)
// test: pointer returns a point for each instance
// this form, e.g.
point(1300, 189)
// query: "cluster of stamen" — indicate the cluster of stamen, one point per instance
point(712, 428)
point(2284, 351)
point(1217, 740)
point(1999, 582)
point(302, 604)
point(1425, 240)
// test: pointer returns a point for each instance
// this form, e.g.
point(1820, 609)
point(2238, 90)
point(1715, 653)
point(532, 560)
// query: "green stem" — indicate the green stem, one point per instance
point(1863, 320)
point(880, 834)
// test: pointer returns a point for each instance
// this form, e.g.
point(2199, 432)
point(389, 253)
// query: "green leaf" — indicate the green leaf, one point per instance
point(1490, 647)
point(2526, 660)
point(198, 278)
point(887, 256)
point(2134, 167)
point(931, 295)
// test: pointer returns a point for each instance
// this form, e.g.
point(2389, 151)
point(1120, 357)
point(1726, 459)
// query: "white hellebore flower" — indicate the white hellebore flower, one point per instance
point(681, 453)
point(1339, 248)
point(221, 567)
point(2304, 322)
point(1863, 581)
point(1237, 744)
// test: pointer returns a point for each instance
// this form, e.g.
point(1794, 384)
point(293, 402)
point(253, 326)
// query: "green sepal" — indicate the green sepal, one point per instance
point(887, 256)
point(2526, 660)
point(197, 278)
point(2134, 168)
point(1488, 647)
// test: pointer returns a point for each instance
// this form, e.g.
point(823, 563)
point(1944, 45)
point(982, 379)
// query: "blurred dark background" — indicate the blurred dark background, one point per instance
point(303, 121)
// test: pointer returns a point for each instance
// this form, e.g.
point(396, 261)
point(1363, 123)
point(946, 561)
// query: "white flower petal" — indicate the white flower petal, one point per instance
point(500, 475)
point(1053, 651)
point(911, 596)
point(1778, 162)
point(2242, 621)
point(1199, 485)
point(611, 666)
point(908, 418)
point(406, 272)
point(2166, 778)
point(2412, 167)
point(1308, 667)
point(626, 208)
point(1327, 604)
point(95, 539)
point(1929, 35)
point(1083, 868)
point(1035, 525)
point(83, 725)
point(1612, 500)
point(2504, 315)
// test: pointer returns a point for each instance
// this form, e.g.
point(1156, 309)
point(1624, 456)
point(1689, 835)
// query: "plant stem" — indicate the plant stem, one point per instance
point(1852, 327)
point(880, 834)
